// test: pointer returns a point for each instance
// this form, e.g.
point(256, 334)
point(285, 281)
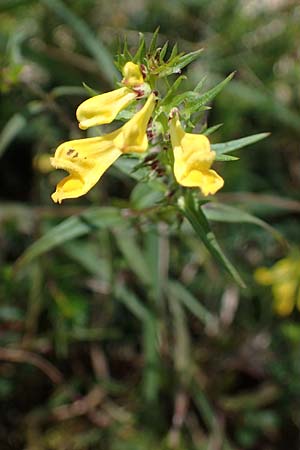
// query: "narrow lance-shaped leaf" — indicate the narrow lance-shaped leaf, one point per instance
point(225, 213)
point(212, 93)
point(195, 102)
point(200, 84)
point(172, 90)
point(134, 256)
point(191, 303)
point(163, 52)
point(174, 51)
point(194, 214)
point(179, 63)
point(153, 42)
point(230, 146)
point(141, 49)
point(211, 130)
point(71, 228)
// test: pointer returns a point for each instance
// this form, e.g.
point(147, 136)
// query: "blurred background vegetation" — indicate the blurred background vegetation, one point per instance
point(129, 337)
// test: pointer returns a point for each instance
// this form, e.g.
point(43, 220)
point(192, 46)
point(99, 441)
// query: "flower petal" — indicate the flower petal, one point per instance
point(207, 180)
point(284, 297)
point(193, 158)
point(132, 75)
point(86, 160)
point(103, 108)
point(132, 137)
point(264, 276)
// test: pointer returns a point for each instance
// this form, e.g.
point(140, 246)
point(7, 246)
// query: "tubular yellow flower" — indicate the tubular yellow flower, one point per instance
point(193, 158)
point(87, 159)
point(103, 108)
point(284, 279)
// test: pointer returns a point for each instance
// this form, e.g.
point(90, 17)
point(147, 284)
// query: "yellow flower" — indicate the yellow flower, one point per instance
point(284, 279)
point(133, 76)
point(193, 158)
point(104, 108)
point(87, 159)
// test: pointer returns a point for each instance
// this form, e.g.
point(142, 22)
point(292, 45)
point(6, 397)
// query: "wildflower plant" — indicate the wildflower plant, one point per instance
point(164, 144)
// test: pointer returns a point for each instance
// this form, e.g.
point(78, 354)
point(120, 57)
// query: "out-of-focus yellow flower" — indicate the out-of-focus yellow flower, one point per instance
point(284, 279)
point(87, 159)
point(102, 109)
point(193, 158)
point(41, 163)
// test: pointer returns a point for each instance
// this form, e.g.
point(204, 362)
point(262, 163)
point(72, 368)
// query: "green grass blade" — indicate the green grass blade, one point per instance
point(133, 255)
point(71, 228)
point(178, 290)
point(151, 376)
point(132, 302)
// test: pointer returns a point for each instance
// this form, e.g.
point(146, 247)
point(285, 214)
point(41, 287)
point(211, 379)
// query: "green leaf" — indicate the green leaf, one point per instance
point(132, 302)
point(87, 255)
point(91, 42)
point(153, 42)
point(163, 52)
point(178, 63)
point(69, 90)
point(178, 290)
point(212, 93)
point(128, 167)
point(226, 158)
point(174, 51)
point(150, 333)
point(71, 228)
point(211, 130)
point(151, 377)
point(200, 84)
point(145, 195)
point(182, 344)
point(90, 90)
point(169, 95)
point(12, 128)
point(141, 49)
point(197, 101)
point(134, 256)
point(194, 214)
point(230, 146)
point(225, 213)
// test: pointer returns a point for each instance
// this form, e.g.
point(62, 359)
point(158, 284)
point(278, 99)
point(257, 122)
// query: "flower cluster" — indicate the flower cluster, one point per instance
point(87, 159)
point(284, 279)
